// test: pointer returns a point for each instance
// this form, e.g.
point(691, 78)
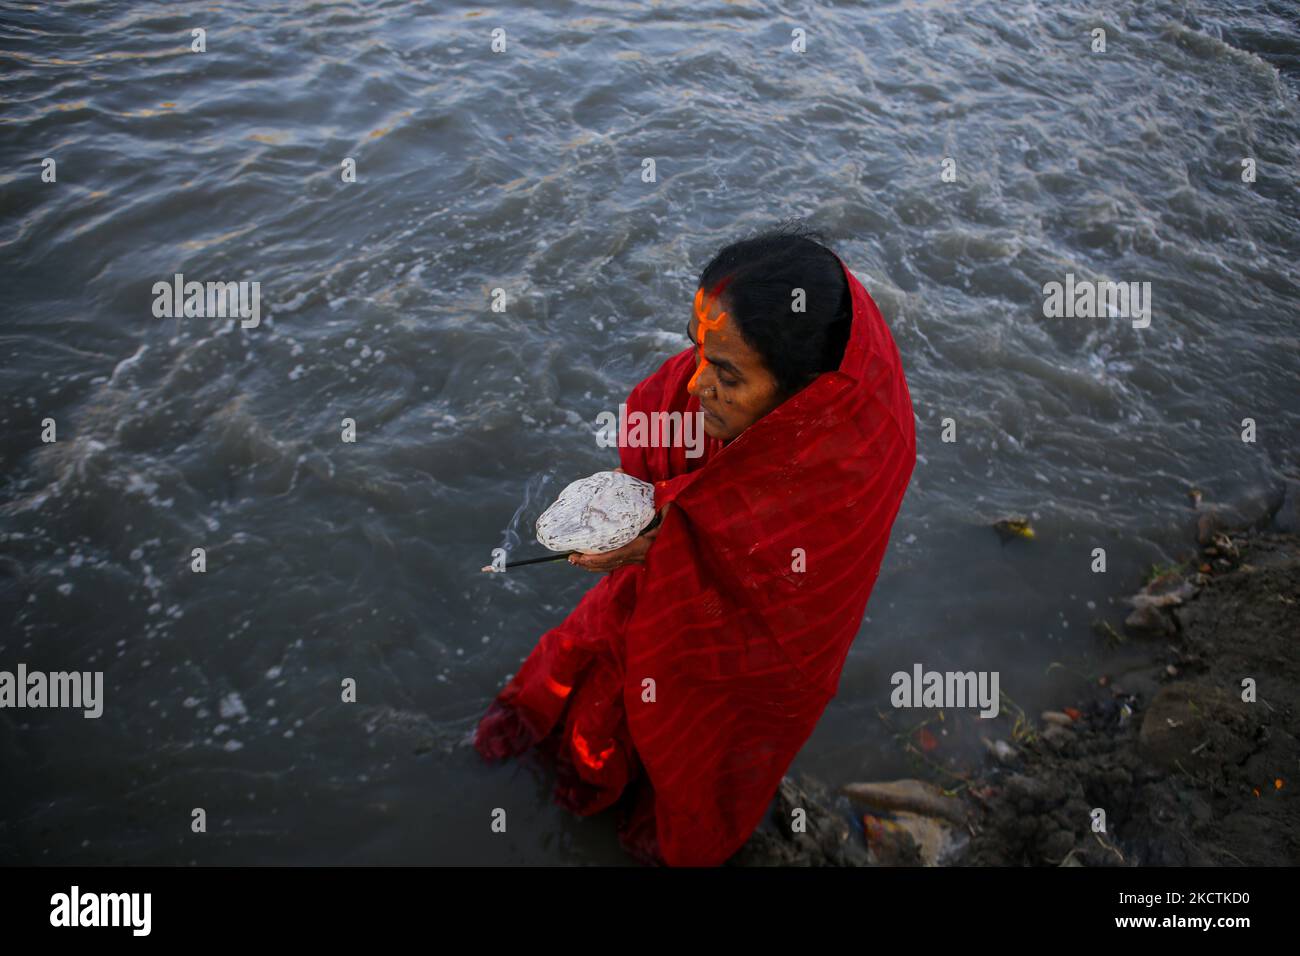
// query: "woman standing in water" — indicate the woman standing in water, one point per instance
point(683, 684)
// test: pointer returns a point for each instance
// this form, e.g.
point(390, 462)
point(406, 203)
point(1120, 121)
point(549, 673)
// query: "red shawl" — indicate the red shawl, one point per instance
point(697, 676)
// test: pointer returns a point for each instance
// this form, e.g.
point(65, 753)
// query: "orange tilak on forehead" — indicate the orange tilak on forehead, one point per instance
point(702, 310)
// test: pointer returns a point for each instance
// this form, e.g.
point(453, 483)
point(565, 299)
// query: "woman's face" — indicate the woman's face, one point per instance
point(733, 385)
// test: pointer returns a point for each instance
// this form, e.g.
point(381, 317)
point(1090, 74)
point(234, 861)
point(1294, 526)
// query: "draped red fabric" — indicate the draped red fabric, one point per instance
point(683, 688)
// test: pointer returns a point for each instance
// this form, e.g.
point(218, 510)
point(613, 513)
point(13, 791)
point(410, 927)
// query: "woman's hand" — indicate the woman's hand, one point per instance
point(633, 552)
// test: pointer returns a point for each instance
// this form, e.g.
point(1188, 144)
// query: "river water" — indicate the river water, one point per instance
point(522, 170)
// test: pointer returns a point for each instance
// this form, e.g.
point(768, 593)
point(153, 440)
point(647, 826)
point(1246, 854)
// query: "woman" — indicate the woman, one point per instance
point(684, 683)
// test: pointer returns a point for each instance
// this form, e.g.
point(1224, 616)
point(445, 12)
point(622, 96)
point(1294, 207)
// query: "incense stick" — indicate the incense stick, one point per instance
point(654, 523)
point(520, 564)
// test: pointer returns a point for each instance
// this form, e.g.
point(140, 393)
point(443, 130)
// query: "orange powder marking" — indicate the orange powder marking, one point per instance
point(706, 325)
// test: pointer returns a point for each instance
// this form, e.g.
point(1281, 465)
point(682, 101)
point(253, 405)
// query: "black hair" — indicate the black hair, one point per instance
point(761, 273)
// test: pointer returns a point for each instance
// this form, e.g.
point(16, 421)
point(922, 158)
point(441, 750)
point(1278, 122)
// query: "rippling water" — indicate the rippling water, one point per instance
point(522, 171)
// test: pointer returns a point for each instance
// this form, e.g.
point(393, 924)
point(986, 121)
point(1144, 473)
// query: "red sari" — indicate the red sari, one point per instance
point(682, 688)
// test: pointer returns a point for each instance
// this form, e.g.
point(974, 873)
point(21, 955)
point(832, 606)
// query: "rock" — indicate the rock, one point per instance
point(1158, 600)
point(1000, 749)
point(1256, 504)
point(903, 838)
point(1169, 588)
point(1056, 717)
point(915, 796)
point(1163, 583)
point(1213, 519)
point(1251, 507)
point(1150, 621)
point(889, 843)
point(934, 840)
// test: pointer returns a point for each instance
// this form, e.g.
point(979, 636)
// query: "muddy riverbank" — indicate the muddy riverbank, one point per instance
point(1183, 753)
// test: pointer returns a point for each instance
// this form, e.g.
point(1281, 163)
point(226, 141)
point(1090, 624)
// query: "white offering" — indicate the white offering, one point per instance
point(597, 514)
